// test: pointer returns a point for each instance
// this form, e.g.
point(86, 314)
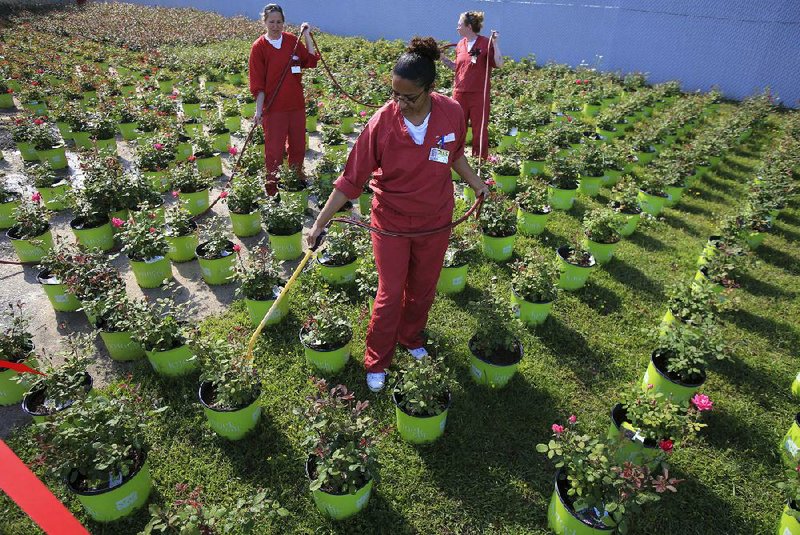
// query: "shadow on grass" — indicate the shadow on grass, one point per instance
point(759, 287)
point(707, 195)
point(777, 333)
point(787, 233)
point(694, 209)
point(779, 259)
point(573, 350)
point(790, 219)
point(741, 167)
point(720, 180)
point(633, 277)
point(647, 242)
point(678, 222)
point(599, 298)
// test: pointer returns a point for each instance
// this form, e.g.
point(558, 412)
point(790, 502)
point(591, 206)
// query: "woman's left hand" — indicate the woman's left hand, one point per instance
point(482, 191)
point(495, 35)
point(304, 28)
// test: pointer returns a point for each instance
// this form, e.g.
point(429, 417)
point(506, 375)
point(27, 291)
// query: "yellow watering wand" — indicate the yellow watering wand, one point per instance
point(299, 269)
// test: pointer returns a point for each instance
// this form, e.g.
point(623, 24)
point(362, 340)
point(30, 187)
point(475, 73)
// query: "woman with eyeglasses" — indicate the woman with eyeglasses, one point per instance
point(415, 139)
point(271, 55)
point(471, 86)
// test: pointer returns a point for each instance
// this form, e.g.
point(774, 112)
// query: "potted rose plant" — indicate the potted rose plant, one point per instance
point(161, 328)
point(534, 208)
point(422, 399)
point(9, 201)
point(533, 287)
point(333, 142)
point(498, 225)
point(453, 277)
point(325, 336)
point(30, 235)
point(625, 201)
point(145, 244)
point(342, 465)
point(652, 192)
point(575, 264)
point(207, 156)
point(602, 229)
point(153, 159)
point(52, 187)
point(592, 168)
point(56, 266)
point(246, 195)
point(495, 348)
point(181, 233)
point(337, 260)
point(284, 223)
point(505, 172)
point(192, 187)
point(113, 315)
point(563, 184)
point(16, 345)
point(292, 185)
point(216, 254)
point(49, 148)
point(229, 389)
point(64, 384)
point(260, 283)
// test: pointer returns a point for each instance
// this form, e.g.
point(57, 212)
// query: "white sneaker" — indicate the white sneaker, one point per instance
point(376, 381)
point(419, 353)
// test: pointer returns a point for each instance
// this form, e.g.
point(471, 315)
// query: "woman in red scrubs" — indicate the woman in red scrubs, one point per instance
point(415, 139)
point(286, 117)
point(471, 87)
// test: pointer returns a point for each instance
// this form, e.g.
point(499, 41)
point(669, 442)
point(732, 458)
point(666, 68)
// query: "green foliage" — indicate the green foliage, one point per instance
point(65, 383)
point(247, 193)
point(31, 219)
point(260, 275)
point(282, 218)
point(498, 216)
point(16, 342)
point(327, 328)
point(534, 276)
point(603, 225)
point(235, 379)
point(423, 387)
point(499, 329)
point(143, 237)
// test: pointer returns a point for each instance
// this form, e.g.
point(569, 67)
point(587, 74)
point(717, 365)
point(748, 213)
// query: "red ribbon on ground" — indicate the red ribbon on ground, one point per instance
point(33, 497)
point(18, 367)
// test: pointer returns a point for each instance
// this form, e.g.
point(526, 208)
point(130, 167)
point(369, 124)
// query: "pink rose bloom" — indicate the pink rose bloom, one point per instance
point(223, 194)
point(38, 121)
point(573, 419)
point(702, 402)
point(666, 445)
point(237, 248)
point(557, 429)
point(192, 158)
point(175, 194)
point(152, 230)
point(158, 146)
point(36, 197)
point(362, 113)
point(233, 151)
point(117, 222)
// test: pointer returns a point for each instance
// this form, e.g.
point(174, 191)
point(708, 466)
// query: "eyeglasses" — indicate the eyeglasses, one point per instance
point(405, 98)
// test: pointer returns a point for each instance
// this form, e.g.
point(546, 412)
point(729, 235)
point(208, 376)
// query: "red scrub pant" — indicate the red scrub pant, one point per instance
point(283, 130)
point(476, 114)
point(408, 270)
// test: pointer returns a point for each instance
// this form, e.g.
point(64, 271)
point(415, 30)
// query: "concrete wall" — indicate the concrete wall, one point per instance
point(740, 46)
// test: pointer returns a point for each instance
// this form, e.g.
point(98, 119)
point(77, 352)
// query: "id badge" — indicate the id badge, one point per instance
point(439, 155)
point(474, 59)
point(295, 69)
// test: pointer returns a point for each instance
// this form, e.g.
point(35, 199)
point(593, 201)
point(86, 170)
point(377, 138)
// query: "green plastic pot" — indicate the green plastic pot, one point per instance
point(755, 239)
point(365, 203)
point(195, 202)
point(561, 517)
point(258, 309)
point(6, 101)
point(506, 142)
point(128, 131)
point(245, 225)
point(452, 280)
point(630, 224)
point(151, 273)
point(247, 110)
point(339, 506)
point(159, 180)
point(611, 177)
point(121, 347)
point(590, 185)
point(789, 524)
point(300, 198)
point(60, 299)
point(27, 151)
point(347, 125)
point(7, 209)
point(174, 362)
point(54, 198)
point(165, 86)
point(233, 124)
point(674, 194)
point(183, 150)
point(657, 375)
point(30, 251)
point(717, 288)
point(36, 108)
point(56, 157)
point(181, 248)
point(652, 204)
point(602, 252)
point(573, 277)
point(489, 374)
point(311, 123)
point(337, 274)
point(634, 449)
point(329, 361)
point(287, 247)
point(192, 110)
point(11, 391)
point(531, 224)
point(469, 195)
point(100, 237)
point(107, 505)
point(505, 183)
point(561, 199)
point(796, 386)
point(222, 142)
point(531, 313)
point(610, 135)
point(211, 165)
point(218, 270)
point(790, 445)
point(420, 429)
point(498, 249)
point(232, 424)
point(193, 129)
point(532, 167)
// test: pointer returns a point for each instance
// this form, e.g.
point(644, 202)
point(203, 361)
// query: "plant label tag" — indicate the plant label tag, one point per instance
point(439, 155)
point(513, 132)
point(114, 480)
point(295, 69)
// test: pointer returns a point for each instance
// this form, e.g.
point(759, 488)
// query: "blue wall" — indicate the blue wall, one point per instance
point(740, 46)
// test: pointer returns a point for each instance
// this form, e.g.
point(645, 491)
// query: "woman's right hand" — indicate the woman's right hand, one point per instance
point(257, 117)
point(313, 234)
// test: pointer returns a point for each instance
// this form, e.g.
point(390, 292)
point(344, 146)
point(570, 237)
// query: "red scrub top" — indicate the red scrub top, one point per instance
point(470, 76)
point(410, 183)
point(267, 64)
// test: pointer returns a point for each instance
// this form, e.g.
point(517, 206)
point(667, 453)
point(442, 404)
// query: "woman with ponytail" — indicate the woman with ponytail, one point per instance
point(472, 81)
point(415, 139)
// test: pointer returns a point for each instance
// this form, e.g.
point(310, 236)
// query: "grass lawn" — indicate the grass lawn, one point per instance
point(484, 475)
